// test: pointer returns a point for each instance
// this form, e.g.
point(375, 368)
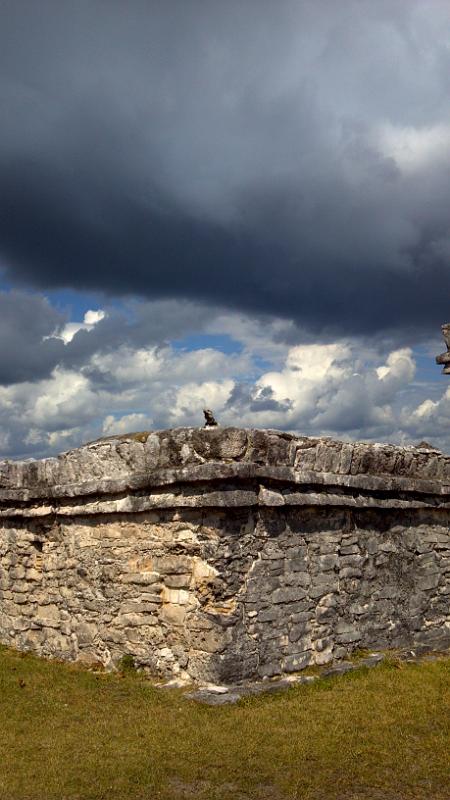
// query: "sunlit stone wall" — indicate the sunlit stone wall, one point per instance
point(224, 554)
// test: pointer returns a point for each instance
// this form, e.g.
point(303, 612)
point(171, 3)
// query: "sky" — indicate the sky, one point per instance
point(243, 206)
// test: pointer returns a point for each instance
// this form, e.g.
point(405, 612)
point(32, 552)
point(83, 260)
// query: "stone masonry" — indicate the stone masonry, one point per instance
point(224, 554)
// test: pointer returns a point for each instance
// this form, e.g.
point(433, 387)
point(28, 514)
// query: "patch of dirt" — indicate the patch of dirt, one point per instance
point(204, 790)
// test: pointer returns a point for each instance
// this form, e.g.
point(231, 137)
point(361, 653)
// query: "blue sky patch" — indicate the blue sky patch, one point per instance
point(200, 341)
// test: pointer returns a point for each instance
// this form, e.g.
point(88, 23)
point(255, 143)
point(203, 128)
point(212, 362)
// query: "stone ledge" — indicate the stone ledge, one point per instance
point(190, 497)
point(191, 456)
point(228, 695)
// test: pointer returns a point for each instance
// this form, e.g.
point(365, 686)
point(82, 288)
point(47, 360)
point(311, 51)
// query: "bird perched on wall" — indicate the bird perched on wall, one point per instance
point(211, 421)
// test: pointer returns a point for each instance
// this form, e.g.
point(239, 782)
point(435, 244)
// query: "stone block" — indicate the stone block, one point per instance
point(328, 562)
point(349, 549)
point(299, 629)
point(268, 614)
point(323, 644)
point(288, 594)
point(178, 596)
point(140, 578)
point(428, 582)
point(348, 637)
point(85, 633)
point(173, 614)
point(181, 581)
point(350, 572)
point(298, 579)
point(33, 575)
point(173, 565)
point(323, 657)
point(320, 589)
point(297, 661)
point(48, 615)
point(354, 560)
point(269, 669)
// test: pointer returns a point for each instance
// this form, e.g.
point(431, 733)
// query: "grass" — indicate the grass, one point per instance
point(69, 734)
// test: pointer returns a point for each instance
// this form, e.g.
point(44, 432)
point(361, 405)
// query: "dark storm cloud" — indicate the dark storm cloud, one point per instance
point(253, 155)
point(25, 353)
point(30, 330)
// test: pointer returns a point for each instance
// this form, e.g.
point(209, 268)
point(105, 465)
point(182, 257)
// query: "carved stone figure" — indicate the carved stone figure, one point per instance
point(444, 358)
point(211, 421)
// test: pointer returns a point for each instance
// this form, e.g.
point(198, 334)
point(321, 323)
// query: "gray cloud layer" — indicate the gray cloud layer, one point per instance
point(25, 353)
point(280, 157)
point(30, 329)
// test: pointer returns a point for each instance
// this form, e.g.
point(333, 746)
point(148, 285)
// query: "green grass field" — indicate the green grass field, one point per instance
point(378, 734)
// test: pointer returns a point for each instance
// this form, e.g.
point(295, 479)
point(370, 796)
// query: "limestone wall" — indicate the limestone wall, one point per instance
point(225, 553)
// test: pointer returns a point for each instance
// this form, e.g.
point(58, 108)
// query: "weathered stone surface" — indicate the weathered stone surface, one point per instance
point(189, 455)
point(223, 554)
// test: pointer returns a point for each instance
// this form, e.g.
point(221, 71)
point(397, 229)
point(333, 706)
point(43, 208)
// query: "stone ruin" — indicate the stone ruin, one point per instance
point(223, 554)
point(444, 358)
